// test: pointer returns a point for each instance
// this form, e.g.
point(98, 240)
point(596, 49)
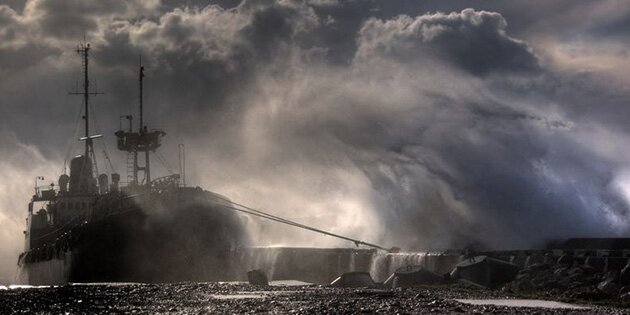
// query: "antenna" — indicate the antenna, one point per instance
point(83, 49)
point(140, 79)
point(143, 128)
point(182, 163)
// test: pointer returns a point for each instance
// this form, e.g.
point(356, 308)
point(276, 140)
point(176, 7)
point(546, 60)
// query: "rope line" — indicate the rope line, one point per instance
point(268, 216)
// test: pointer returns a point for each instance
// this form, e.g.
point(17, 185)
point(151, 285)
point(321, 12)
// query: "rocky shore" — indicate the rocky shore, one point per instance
point(572, 281)
point(238, 298)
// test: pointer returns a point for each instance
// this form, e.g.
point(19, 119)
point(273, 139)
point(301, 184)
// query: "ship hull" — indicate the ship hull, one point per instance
point(55, 271)
point(182, 235)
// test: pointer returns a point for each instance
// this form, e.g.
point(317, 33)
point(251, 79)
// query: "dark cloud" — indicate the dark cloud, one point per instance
point(618, 27)
point(75, 19)
point(21, 58)
point(270, 28)
point(473, 40)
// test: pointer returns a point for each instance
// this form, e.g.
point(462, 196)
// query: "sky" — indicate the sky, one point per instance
point(419, 124)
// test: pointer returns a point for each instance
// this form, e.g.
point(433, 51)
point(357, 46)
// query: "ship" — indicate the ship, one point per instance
point(91, 227)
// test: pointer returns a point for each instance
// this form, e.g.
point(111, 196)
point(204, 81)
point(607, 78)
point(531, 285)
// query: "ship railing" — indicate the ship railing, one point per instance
point(46, 192)
point(166, 181)
point(173, 180)
point(65, 226)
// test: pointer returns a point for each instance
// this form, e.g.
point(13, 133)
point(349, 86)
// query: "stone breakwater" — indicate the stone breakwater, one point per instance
point(322, 265)
point(583, 274)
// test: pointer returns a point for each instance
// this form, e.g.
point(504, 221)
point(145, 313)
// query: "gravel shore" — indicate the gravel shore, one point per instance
point(229, 298)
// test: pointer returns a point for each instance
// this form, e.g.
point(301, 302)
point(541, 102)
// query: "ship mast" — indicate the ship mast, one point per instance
point(83, 49)
point(143, 128)
point(140, 79)
point(141, 141)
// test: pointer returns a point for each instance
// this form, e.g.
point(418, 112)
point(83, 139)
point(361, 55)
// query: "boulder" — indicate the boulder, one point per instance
point(566, 260)
point(410, 276)
point(523, 284)
point(598, 263)
point(616, 263)
point(624, 275)
point(534, 259)
point(257, 277)
point(609, 287)
point(355, 279)
point(469, 284)
point(537, 267)
point(588, 270)
point(485, 271)
point(519, 260)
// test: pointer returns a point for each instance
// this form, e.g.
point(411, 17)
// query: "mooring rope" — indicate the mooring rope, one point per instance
point(249, 210)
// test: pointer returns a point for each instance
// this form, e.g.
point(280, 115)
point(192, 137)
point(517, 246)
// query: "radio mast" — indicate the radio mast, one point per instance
point(83, 49)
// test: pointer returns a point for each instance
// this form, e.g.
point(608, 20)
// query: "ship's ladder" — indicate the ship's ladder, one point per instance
point(130, 166)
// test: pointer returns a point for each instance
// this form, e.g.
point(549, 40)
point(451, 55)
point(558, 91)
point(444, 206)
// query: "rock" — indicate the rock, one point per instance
point(576, 284)
point(566, 260)
point(355, 279)
point(611, 276)
point(470, 285)
point(548, 258)
point(523, 285)
point(588, 270)
point(578, 276)
point(576, 271)
point(485, 271)
point(257, 277)
point(411, 276)
point(519, 260)
point(542, 277)
point(598, 263)
point(609, 287)
point(521, 276)
point(624, 275)
point(616, 263)
point(533, 260)
point(563, 282)
point(537, 267)
point(561, 272)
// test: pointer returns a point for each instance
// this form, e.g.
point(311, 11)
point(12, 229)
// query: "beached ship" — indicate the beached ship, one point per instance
point(92, 227)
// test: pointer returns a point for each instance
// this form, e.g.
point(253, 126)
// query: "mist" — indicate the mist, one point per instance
point(413, 125)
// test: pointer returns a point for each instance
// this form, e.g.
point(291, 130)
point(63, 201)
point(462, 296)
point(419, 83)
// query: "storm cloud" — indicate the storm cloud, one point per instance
point(422, 125)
